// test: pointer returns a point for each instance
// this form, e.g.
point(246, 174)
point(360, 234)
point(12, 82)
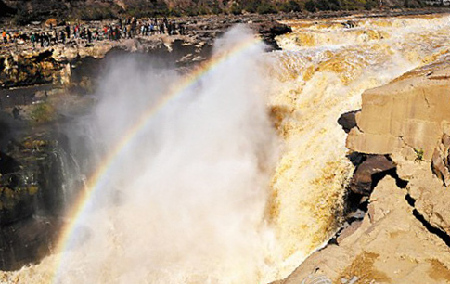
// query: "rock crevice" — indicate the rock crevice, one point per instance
point(437, 231)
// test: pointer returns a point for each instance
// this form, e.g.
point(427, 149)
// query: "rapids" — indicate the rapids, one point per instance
point(263, 216)
point(322, 72)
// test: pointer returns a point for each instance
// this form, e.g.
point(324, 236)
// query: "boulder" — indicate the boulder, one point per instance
point(440, 160)
point(269, 30)
point(364, 177)
point(51, 23)
point(348, 120)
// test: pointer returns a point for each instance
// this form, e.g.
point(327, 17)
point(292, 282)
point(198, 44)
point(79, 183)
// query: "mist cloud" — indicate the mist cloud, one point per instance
point(185, 201)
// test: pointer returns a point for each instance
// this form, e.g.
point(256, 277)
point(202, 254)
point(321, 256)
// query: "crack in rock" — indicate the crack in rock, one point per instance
point(433, 230)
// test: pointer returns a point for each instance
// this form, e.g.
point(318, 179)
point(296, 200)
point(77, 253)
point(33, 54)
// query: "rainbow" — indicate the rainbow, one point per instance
point(99, 178)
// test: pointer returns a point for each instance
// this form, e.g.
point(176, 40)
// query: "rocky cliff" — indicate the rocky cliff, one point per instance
point(405, 118)
point(399, 231)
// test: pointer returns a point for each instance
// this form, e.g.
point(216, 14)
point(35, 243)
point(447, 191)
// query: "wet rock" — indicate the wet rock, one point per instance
point(269, 30)
point(364, 176)
point(347, 120)
point(26, 242)
point(16, 204)
point(30, 185)
point(349, 24)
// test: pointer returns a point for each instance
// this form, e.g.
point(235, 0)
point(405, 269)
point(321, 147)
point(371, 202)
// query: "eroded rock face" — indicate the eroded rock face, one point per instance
point(430, 198)
point(26, 242)
point(405, 117)
point(269, 30)
point(23, 70)
point(29, 187)
point(364, 176)
point(440, 160)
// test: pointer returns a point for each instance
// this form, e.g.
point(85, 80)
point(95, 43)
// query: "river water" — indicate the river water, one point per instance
point(207, 189)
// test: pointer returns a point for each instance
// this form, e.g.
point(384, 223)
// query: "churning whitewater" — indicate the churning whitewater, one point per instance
point(184, 200)
point(205, 189)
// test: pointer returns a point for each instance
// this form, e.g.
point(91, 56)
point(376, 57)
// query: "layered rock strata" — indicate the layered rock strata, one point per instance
point(405, 118)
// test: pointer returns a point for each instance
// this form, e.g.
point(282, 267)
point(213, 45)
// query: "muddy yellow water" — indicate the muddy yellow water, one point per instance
point(324, 67)
point(322, 71)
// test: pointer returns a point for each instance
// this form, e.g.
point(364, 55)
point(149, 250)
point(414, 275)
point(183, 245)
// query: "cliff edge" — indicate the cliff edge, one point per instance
point(405, 117)
point(404, 233)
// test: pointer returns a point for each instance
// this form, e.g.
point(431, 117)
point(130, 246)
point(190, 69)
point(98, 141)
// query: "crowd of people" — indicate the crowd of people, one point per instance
point(121, 29)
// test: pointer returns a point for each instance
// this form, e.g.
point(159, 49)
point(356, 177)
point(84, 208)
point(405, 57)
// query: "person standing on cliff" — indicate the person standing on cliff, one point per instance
point(182, 28)
point(16, 113)
point(55, 36)
point(89, 35)
point(41, 39)
point(68, 31)
point(33, 39)
point(62, 36)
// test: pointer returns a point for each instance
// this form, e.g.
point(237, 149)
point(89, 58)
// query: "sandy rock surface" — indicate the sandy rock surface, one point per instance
point(404, 117)
point(390, 246)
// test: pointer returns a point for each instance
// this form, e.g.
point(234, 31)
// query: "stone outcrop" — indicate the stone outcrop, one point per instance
point(269, 30)
point(405, 118)
point(390, 246)
point(348, 120)
point(364, 177)
point(6, 10)
point(40, 68)
point(30, 195)
point(428, 196)
point(440, 160)
point(24, 65)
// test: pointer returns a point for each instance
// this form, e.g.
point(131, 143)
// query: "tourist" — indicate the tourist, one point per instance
point(181, 28)
point(54, 36)
point(33, 39)
point(68, 31)
point(16, 113)
point(89, 35)
point(62, 36)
